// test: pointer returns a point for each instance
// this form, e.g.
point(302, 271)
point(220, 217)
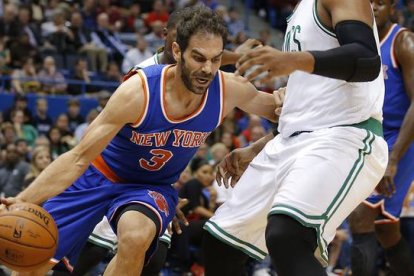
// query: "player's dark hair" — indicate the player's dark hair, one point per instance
point(200, 20)
point(175, 17)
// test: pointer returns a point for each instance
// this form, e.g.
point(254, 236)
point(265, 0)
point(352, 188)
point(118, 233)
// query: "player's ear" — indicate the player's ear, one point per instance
point(176, 51)
point(165, 32)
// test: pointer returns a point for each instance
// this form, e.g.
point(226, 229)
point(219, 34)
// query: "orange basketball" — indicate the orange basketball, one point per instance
point(28, 237)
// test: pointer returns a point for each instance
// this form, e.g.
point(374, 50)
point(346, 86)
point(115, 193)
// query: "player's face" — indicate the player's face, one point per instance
point(382, 11)
point(200, 61)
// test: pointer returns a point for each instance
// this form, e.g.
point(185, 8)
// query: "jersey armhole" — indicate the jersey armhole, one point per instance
point(145, 90)
point(394, 60)
point(222, 98)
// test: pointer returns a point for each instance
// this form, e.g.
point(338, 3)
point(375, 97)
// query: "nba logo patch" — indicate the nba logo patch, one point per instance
point(160, 201)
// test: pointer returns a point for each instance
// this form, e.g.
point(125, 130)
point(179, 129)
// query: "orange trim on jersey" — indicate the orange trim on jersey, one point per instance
point(388, 217)
point(164, 103)
point(388, 34)
point(223, 96)
point(146, 100)
point(100, 164)
point(392, 50)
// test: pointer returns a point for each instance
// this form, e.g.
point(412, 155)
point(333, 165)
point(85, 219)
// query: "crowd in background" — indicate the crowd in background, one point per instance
point(83, 49)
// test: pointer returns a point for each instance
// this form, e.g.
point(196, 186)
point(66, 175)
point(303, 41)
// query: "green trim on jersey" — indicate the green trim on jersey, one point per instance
point(97, 240)
point(231, 240)
point(166, 238)
point(319, 222)
point(323, 27)
point(372, 125)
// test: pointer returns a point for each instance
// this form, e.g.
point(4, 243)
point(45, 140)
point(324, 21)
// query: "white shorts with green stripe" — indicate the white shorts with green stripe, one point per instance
point(318, 178)
point(103, 236)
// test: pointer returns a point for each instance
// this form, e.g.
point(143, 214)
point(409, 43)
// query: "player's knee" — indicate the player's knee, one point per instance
point(280, 231)
point(135, 240)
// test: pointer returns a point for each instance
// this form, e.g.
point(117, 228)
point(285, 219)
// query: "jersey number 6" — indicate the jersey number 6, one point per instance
point(157, 161)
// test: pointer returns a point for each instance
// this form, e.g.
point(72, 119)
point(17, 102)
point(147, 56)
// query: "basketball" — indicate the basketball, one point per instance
point(28, 237)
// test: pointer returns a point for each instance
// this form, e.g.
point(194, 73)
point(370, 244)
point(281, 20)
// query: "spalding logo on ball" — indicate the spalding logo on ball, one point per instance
point(28, 237)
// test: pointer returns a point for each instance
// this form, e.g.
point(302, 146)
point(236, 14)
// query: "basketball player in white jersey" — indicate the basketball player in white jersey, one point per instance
point(329, 155)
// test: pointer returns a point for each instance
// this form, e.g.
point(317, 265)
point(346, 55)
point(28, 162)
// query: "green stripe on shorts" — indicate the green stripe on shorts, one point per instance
point(225, 237)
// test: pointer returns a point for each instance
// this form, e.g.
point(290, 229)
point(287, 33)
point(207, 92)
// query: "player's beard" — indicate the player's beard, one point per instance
point(187, 80)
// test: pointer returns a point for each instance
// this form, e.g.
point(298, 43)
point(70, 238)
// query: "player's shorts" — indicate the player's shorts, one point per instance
point(104, 236)
point(391, 206)
point(91, 197)
point(317, 178)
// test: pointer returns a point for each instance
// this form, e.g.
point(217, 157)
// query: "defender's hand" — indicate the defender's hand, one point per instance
point(233, 166)
point(179, 216)
point(387, 186)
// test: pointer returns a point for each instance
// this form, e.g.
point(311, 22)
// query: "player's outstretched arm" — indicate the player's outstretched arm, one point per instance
point(404, 52)
point(358, 53)
point(242, 94)
point(125, 106)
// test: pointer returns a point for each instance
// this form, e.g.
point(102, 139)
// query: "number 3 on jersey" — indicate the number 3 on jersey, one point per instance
point(157, 161)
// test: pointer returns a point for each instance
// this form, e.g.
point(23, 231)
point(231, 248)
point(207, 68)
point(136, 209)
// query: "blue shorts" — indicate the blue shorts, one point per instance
point(77, 210)
point(391, 206)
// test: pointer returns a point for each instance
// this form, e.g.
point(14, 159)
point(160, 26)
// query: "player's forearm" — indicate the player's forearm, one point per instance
point(58, 176)
point(229, 57)
point(405, 136)
point(257, 146)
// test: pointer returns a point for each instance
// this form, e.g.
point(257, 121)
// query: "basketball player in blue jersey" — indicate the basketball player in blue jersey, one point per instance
point(103, 239)
point(330, 153)
point(384, 207)
point(138, 146)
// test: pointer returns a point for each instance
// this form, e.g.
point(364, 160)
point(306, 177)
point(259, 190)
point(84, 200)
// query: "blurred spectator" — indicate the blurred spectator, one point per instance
point(40, 160)
point(265, 37)
point(80, 73)
point(185, 176)
point(235, 24)
point(136, 55)
point(58, 145)
point(41, 119)
point(20, 103)
point(8, 133)
point(112, 74)
point(103, 98)
point(81, 129)
point(89, 14)
point(212, 4)
point(58, 34)
point(25, 26)
point(23, 131)
point(5, 58)
point(13, 173)
point(109, 40)
point(408, 13)
point(53, 82)
point(25, 80)
point(218, 152)
point(82, 42)
point(62, 123)
point(42, 141)
point(230, 140)
point(23, 149)
point(8, 24)
point(113, 12)
point(134, 22)
point(202, 152)
point(73, 114)
point(36, 11)
point(159, 13)
point(21, 50)
point(155, 38)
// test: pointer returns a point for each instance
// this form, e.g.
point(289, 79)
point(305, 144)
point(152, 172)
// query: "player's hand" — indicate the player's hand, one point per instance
point(247, 46)
point(233, 166)
point(179, 216)
point(270, 61)
point(279, 96)
point(387, 186)
point(6, 202)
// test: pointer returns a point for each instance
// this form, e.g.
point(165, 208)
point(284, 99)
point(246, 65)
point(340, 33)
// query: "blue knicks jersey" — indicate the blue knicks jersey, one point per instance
point(157, 148)
point(396, 101)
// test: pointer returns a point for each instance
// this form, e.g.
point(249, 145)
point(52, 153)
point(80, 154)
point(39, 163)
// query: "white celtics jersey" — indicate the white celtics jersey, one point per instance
point(313, 102)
